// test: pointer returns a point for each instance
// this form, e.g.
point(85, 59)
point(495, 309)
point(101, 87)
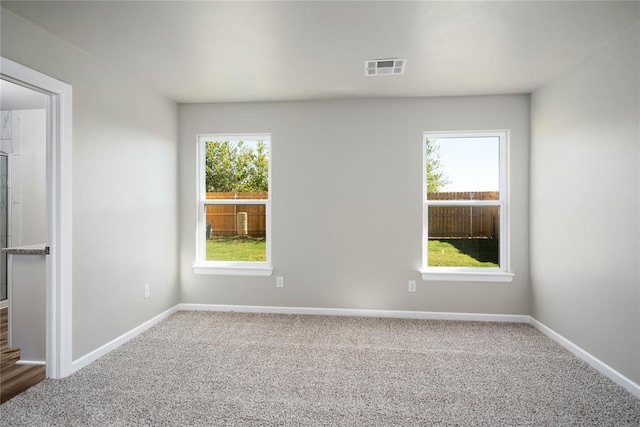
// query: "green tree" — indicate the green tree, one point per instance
point(436, 177)
point(259, 178)
point(236, 166)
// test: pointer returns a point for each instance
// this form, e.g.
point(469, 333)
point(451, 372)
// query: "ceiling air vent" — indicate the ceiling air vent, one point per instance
point(384, 67)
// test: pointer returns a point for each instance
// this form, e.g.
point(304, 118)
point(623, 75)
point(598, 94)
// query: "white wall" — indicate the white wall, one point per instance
point(28, 306)
point(585, 190)
point(347, 207)
point(124, 187)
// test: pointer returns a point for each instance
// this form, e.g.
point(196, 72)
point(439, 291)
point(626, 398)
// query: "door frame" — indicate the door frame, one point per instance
point(59, 329)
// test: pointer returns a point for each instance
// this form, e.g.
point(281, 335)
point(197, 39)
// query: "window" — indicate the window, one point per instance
point(465, 207)
point(234, 205)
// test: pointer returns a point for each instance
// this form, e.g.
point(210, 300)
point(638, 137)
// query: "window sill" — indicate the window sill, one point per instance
point(228, 269)
point(457, 275)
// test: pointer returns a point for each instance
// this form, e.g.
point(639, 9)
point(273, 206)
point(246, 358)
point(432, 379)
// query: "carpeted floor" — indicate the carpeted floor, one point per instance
point(202, 368)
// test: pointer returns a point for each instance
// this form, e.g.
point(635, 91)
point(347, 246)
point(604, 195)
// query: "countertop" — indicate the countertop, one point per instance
point(39, 249)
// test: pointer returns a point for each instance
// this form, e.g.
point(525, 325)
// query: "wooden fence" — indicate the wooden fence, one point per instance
point(236, 220)
point(445, 222)
point(459, 222)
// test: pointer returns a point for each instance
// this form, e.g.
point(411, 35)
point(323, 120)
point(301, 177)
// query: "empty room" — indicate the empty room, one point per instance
point(320, 213)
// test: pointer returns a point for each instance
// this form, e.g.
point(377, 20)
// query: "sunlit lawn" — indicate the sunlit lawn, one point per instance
point(463, 253)
point(236, 248)
point(442, 253)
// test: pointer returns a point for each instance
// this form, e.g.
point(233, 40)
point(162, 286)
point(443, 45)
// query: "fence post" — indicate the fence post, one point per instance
point(242, 228)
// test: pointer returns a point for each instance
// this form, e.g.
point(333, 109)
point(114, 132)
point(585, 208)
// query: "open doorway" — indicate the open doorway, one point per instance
point(23, 227)
point(22, 171)
point(56, 167)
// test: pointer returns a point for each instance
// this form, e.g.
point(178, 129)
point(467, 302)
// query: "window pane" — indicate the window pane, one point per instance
point(236, 169)
point(235, 233)
point(463, 168)
point(463, 236)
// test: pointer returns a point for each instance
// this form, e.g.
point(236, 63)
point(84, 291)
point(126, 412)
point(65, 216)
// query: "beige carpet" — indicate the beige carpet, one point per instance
point(199, 368)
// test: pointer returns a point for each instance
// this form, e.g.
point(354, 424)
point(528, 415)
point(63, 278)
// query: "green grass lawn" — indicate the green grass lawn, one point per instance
point(442, 253)
point(235, 248)
point(463, 253)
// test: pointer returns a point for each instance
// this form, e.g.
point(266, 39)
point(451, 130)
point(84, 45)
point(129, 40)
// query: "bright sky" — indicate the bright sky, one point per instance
point(247, 143)
point(471, 164)
point(253, 144)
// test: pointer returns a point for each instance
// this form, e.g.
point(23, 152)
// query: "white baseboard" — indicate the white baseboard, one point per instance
point(117, 342)
point(400, 314)
point(593, 361)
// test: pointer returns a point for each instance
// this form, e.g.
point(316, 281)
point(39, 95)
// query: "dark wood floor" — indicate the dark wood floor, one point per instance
point(14, 379)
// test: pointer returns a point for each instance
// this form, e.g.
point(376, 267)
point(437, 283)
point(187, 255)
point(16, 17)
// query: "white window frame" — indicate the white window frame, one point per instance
point(470, 274)
point(229, 268)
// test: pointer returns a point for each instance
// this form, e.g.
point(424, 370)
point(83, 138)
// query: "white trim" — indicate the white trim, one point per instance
point(117, 342)
point(235, 201)
point(436, 273)
point(31, 362)
point(10, 299)
point(59, 206)
point(444, 274)
point(593, 361)
point(231, 268)
point(261, 136)
point(466, 203)
point(398, 314)
point(7, 303)
point(228, 270)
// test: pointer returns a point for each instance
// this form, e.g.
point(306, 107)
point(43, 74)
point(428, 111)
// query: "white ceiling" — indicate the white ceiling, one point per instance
point(254, 51)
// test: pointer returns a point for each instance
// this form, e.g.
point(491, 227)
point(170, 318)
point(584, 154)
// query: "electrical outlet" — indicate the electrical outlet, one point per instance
point(147, 291)
point(280, 282)
point(412, 286)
